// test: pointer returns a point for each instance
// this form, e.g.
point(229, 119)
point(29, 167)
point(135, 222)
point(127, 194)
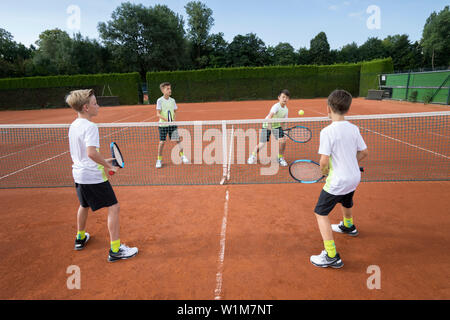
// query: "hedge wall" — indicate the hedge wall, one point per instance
point(369, 74)
point(38, 92)
point(260, 83)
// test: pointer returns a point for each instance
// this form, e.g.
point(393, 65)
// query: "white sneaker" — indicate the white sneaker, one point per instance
point(251, 159)
point(323, 260)
point(124, 252)
point(184, 159)
point(282, 162)
point(158, 163)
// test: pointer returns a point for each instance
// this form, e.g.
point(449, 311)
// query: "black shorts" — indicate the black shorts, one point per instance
point(278, 133)
point(96, 196)
point(172, 131)
point(328, 201)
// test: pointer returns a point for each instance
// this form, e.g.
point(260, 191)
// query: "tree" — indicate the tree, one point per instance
point(247, 51)
point(303, 57)
point(13, 56)
point(349, 53)
point(217, 48)
point(435, 38)
point(402, 52)
point(89, 56)
point(145, 39)
point(53, 54)
point(200, 22)
point(282, 54)
point(320, 49)
point(372, 49)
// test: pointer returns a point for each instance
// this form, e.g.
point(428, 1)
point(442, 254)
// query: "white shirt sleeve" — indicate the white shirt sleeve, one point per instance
point(275, 108)
point(175, 107)
point(287, 114)
point(325, 143)
point(360, 141)
point(158, 104)
point(91, 138)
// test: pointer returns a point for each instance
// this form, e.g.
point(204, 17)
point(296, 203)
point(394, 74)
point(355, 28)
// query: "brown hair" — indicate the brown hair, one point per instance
point(164, 84)
point(78, 98)
point(286, 92)
point(340, 101)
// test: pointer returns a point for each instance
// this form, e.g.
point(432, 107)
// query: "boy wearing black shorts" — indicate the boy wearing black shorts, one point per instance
point(91, 182)
point(341, 149)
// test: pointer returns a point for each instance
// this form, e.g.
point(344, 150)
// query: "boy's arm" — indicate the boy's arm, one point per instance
point(159, 115)
point(324, 164)
point(95, 156)
point(269, 116)
point(360, 155)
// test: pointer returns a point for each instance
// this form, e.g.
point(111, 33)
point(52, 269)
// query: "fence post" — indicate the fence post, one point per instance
point(407, 86)
point(448, 95)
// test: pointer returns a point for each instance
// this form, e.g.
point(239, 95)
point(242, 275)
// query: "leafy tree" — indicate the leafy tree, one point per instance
point(372, 49)
point(303, 57)
point(436, 38)
point(145, 39)
point(247, 51)
point(217, 48)
point(320, 49)
point(349, 53)
point(282, 54)
point(200, 22)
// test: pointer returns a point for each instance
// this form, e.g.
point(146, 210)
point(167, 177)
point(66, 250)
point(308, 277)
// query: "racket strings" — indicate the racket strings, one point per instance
point(118, 156)
point(306, 171)
point(300, 134)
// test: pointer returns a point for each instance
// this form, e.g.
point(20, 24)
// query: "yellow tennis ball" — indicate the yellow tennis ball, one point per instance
point(301, 112)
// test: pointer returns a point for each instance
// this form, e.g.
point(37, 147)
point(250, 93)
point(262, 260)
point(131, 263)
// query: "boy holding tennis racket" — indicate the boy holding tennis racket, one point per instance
point(92, 186)
point(341, 149)
point(278, 111)
point(166, 109)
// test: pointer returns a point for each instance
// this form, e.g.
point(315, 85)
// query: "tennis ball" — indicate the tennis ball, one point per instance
point(301, 112)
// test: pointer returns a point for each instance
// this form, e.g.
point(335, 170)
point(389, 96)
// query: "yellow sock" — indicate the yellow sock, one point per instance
point(280, 156)
point(254, 154)
point(348, 222)
point(81, 235)
point(115, 245)
point(159, 157)
point(181, 153)
point(330, 247)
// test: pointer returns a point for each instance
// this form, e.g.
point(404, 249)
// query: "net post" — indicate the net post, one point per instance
point(224, 151)
point(407, 86)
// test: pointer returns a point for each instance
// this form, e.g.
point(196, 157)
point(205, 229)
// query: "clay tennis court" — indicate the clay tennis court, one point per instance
point(266, 232)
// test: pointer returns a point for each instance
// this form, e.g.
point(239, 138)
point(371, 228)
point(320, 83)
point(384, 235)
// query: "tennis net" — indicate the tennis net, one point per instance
point(402, 147)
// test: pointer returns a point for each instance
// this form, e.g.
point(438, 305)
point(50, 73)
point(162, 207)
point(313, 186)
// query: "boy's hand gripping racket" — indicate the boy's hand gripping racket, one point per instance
point(117, 157)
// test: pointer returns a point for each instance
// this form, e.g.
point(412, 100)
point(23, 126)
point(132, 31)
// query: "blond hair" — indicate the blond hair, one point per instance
point(78, 98)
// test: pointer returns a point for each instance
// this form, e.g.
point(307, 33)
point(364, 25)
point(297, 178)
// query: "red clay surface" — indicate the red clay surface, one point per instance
point(270, 234)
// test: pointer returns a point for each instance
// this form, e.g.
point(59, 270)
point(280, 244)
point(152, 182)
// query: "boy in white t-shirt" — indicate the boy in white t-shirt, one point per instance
point(278, 111)
point(166, 109)
point(91, 182)
point(341, 149)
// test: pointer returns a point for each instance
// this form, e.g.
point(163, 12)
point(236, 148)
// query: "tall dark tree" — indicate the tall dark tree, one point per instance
point(247, 51)
point(303, 56)
point(282, 54)
point(320, 49)
point(200, 21)
point(14, 57)
point(349, 53)
point(436, 39)
point(217, 48)
point(372, 49)
point(402, 52)
point(145, 39)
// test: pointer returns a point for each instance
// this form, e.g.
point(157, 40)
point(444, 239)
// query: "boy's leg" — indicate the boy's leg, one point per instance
point(160, 149)
point(81, 221)
point(346, 226)
point(113, 224)
point(348, 217)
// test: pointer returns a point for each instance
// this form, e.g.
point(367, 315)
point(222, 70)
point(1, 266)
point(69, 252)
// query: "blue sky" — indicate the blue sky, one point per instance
point(274, 21)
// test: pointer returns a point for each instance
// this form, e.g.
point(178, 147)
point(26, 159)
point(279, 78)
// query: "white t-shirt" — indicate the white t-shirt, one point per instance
point(278, 112)
point(341, 140)
point(164, 105)
point(82, 134)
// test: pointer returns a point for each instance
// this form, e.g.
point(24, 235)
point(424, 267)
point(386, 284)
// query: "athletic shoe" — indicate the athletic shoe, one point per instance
point(80, 244)
point(251, 159)
point(184, 159)
point(341, 228)
point(323, 260)
point(158, 163)
point(123, 253)
point(282, 162)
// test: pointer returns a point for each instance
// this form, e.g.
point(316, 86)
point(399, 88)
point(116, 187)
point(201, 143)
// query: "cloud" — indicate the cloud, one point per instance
point(333, 7)
point(347, 3)
point(358, 15)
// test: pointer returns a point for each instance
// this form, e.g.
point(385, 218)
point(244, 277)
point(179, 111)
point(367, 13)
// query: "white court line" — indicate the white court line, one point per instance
point(219, 274)
point(33, 165)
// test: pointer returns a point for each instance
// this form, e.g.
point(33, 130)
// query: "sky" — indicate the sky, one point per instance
point(273, 21)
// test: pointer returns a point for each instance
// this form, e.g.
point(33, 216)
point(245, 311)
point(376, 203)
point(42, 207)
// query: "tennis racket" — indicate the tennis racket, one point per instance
point(307, 171)
point(117, 156)
point(298, 134)
point(169, 116)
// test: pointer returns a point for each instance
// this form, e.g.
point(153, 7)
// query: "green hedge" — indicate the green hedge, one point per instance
point(38, 92)
point(258, 83)
point(369, 74)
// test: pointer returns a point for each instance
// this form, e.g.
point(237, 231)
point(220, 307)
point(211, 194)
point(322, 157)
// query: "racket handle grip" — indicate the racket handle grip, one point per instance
point(111, 173)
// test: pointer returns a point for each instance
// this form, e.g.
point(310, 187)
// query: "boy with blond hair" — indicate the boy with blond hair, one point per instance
point(341, 149)
point(91, 182)
point(166, 109)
